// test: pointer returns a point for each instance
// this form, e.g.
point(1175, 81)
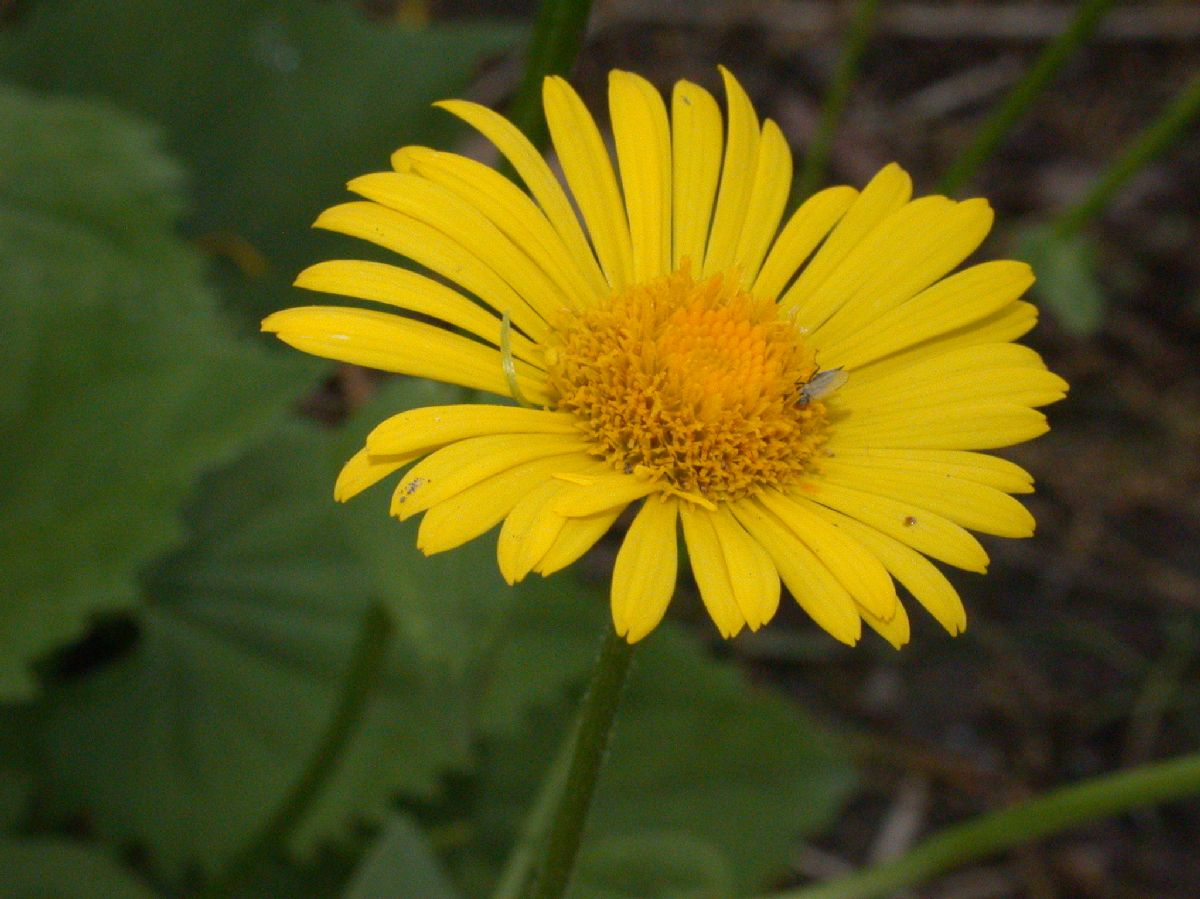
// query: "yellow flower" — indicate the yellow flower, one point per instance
point(807, 402)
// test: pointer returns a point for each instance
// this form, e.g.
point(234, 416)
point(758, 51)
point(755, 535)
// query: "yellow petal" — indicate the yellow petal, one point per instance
point(737, 178)
point(577, 536)
point(888, 191)
point(955, 302)
point(415, 293)
point(514, 213)
point(812, 585)
point(423, 429)
point(768, 197)
point(644, 573)
point(696, 163)
point(458, 466)
point(397, 344)
point(918, 575)
point(363, 471)
point(435, 206)
point(1005, 372)
point(754, 576)
point(1006, 324)
point(895, 629)
point(964, 502)
point(532, 169)
point(966, 426)
point(643, 140)
point(863, 576)
point(529, 530)
point(481, 507)
point(589, 174)
point(598, 494)
point(437, 252)
point(708, 567)
point(916, 527)
point(981, 468)
point(807, 227)
point(910, 250)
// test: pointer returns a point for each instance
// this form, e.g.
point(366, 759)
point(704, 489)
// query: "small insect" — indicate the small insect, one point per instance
point(822, 384)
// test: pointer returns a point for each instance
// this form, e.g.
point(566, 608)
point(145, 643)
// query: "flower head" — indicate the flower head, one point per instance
point(808, 402)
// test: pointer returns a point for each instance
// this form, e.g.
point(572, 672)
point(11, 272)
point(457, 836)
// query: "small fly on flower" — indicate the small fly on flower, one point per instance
point(822, 384)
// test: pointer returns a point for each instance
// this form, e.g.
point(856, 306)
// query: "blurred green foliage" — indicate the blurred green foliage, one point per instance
point(272, 105)
point(123, 382)
point(183, 596)
point(1068, 282)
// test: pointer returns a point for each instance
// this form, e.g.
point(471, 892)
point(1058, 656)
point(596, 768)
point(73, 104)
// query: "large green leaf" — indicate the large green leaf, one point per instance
point(59, 869)
point(716, 777)
point(122, 380)
point(275, 104)
point(190, 742)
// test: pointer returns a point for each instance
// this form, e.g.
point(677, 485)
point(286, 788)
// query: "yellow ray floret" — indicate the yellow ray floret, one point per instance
point(807, 403)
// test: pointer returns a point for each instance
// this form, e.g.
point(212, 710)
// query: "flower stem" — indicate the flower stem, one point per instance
point(591, 739)
point(1021, 97)
point(557, 36)
point(1152, 141)
point(1091, 800)
point(361, 678)
point(861, 27)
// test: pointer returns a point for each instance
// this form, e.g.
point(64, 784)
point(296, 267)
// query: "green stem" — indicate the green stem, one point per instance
point(557, 36)
point(365, 668)
point(861, 26)
point(1091, 800)
point(595, 723)
point(1152, 141)
point(1032, 83)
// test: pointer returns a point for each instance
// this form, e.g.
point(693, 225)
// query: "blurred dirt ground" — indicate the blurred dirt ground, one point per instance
point(1083, 651)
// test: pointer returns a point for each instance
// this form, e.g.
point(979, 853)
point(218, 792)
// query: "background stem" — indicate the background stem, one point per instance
point(1021, 97)
point(557, 36)
point(813, 172)
point(1156, 138)
point(1049, 814)
point(365, 668)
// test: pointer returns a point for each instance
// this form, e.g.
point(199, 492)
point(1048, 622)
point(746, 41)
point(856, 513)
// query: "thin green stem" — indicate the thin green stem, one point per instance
point(1021, 97)
point(1152, 141)
point(861, 27)
point(595, 724)
point(557, 36)
point(1052, 813)
point(365, 667)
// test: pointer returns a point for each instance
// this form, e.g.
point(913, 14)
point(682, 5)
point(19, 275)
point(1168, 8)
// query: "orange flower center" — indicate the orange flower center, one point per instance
point(692, 383)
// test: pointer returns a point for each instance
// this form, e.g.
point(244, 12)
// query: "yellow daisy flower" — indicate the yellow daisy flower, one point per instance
point(807, 402)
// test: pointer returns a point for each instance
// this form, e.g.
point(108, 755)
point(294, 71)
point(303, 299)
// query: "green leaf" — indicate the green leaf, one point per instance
point(400, 865)
point(244, 642)
point(699, 760)
point(1067, 283)
point(274, 104)
point(123, 381)
point(59, 869)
